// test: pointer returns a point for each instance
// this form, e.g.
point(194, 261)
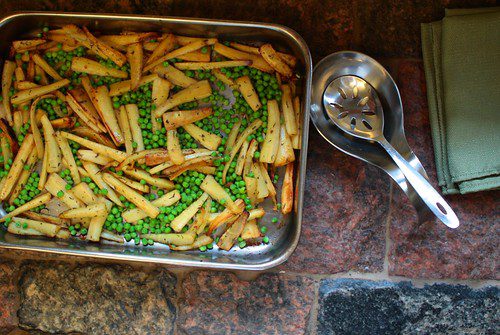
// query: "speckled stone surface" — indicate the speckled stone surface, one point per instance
point(219, 303)
point(372, 308)
point(432, 250)
point(8, 295)
point(94, 299)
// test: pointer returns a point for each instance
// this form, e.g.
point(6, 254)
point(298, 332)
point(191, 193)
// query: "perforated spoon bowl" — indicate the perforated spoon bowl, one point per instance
point(353, 105)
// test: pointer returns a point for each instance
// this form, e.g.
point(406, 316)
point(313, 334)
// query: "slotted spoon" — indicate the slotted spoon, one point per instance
point(353, 105)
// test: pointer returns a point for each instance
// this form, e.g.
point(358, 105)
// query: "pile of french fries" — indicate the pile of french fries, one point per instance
point(111, 154)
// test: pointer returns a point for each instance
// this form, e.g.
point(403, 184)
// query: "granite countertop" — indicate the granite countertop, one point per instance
point(362, 266)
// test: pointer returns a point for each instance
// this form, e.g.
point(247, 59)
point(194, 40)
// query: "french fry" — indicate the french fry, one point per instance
point(107, 235)
point(91, 211)
point(287, 190)
point(132, 195)
point(6, 151)
point(174, 147)
point(41, 73)
point(30, 94)
point(170, 168)
point(105, 109)
point(43, 172)
point(189, 156)
point(287, 58)
point(208, 140)
point(204, 216)
point(17, 117)
point(8, 134)
point(96, 175)
point(89, 134)
point(185, 40)
point(176, 239)
point(161, 90)
point(24, 176)
point(137, 156)
point(248, 92)
point(297, 138)
point(288, 112)
point(176, 53)
point(55, 184)
point(38, 201)
point(54, 153)
point(68, 156)
point(228, 239)
point(257, 61)
point(240, 162)
point(271, 142)
point(268, 182)
point(127, 39)
point(243, 137)
point(63, 122)
point(85, 65)
point(285, 153)
point(250, 231)
point(16, 228)
point(217, 192)
point(38, 60)
point(84, 193)
point(83, 113)
point(174, 75)
point(195, 56)
point(155, 181)
point(165, 45)
point(270, 55)
point(125, 128)
point(133, 119)
point(125, 86)
point(45, 228)
point(212, 65)
point(17, 166)
point(262, 190)
point(90, 156)
point(24, 85)
point(175, 119)
point(222, 77)
point(183, 218)
point(7, 74)
point(135, 59)
point(197, 91)
point(60, 36)
point(231, 138)
point(198, 242)
point(85, 101)
point(225, 216)
point(46, 218)
point(96, 224)
point(132, 183)
point(190, 167)
point(134, 215)
point(21, 46)
point(117, 155)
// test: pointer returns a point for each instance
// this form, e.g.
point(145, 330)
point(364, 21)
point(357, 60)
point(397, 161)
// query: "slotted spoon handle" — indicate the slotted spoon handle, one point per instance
point(429, 195)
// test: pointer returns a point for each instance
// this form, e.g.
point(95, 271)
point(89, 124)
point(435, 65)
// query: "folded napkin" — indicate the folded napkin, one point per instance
point(462, 68)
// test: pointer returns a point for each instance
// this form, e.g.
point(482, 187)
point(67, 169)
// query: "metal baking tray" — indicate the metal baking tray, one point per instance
point(283, 240)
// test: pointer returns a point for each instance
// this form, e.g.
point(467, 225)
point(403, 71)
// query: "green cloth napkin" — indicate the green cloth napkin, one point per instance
point(462, 68)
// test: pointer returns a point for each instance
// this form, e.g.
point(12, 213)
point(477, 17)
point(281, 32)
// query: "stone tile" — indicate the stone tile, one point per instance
point(432, 250)
point(96, 299)
point(345, 211)
point(348, 306)
point(9, 297)
point(219, 303)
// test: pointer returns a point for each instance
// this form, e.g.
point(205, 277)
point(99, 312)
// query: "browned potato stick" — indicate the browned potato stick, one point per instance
point(54, 153)
point(246, 88)
point(287, 190)
point(134, 215)
point(88, 133)
point(56, 184)
point(196, 56)
point(46, 67)
point(45, 228)
point(287, 58)
point(117, 155)
point(132, 195)
point(208, 140)
point(85, 38)
point(68, 156)
point(186, 215)
point(23, 178)
point(17, 166)
point(41, 73)
point(81, 96)
point(160, 93)
point(61, 37)
point(268, 182)
point(17, 117)
point(176, 53)
point(95, 227)
point(231, 235)
point(166, 163)
point(297, 138)
point(90, 156)
point(43, 172)
point(85, 65)
point(231, 138)
point(188, 168)
point(125, 86)
point(197, 91)
point(243, 137)
point(7, 134)
point(105, 109)
point(14, 229)
point(24, 85)
point(179, 118)
point(285, 153)
point(174, 147)
point(27, 45)
point(198, 242)
point(127, 39)
point(137, 156)
point(272, 140)
point(212, 65)
point(135, 129)
point(270, 55)
point(204, 216)
point(217, 192)
point(96, 175)
point(250, 231)
point(288, 112)
point(165, 45)
point(90, 211)
point(155, 181)
point(222, 77)
point(257, 61)
point(197, 157)
point(32, 93)
point(83, 114)
point(63, 122)
point(156, 158)
point(132, 183)
point(225, 216)
point(40, 200)
point(107, 235)
point(6, 151)
point(135, 59)
point(83, 192)
point(262, 190)
point(176, 239)
point(174, 75)
point(240, 162)
point(184, 40)
point(125, 128)
point(46, 218)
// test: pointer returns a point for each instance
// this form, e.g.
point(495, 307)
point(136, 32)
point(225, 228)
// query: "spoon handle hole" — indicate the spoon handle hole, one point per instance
point(441, 208)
